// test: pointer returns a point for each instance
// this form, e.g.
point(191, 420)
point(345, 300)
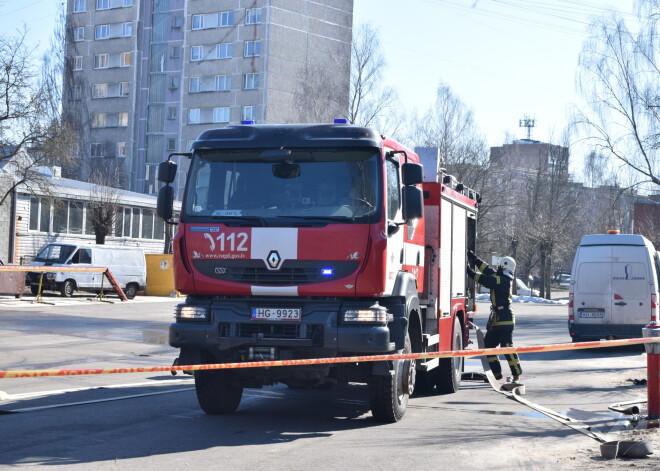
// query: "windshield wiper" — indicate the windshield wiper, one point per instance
point(240, 220)
point(313, 219)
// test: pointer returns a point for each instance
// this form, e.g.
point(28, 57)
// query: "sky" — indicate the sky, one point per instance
point(505, 59)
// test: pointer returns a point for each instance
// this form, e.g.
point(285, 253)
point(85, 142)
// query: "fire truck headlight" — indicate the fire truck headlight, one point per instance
point(194, 313)
point(374, 313)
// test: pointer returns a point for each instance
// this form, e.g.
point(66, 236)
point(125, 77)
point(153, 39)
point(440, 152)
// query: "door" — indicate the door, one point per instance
point(631, 285)
point(81, 258)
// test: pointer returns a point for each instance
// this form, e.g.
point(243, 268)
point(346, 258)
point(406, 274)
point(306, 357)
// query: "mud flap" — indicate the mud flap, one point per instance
point(398, 330)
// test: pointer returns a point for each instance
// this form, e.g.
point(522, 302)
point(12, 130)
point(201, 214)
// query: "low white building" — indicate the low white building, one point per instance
point(29, 220)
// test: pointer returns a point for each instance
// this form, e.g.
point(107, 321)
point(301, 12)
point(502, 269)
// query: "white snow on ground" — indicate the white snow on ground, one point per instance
point(525, 299)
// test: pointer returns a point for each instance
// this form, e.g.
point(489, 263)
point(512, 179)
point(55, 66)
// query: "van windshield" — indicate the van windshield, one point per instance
point(54, 253)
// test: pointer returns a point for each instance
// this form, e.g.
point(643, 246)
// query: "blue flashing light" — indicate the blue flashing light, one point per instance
point(341, 121)
point(247, 122)
point(327, 271)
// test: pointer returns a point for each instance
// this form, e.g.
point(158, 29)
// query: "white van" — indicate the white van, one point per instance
point(127, 265)
point(613, 292)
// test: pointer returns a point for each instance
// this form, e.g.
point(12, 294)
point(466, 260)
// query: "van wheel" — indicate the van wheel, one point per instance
point(131, 290)
point(67, 288)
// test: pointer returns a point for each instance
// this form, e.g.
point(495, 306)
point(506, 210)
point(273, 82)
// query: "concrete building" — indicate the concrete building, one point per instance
point(146, 77)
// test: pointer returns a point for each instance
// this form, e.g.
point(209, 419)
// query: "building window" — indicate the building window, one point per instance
point(225, 51)
point(76, 92)
point(171, 144)
point(249, 113)
point(125, 59)
point(78, 63)
point(98, 120)
point(171, 112)
point(100, 90)
point(222, 83)
point(102, 4)
point(174, 83)
point(79, 6)
point(251, 81)
point(193, 116)
point(177, 21)
point(253, 16)
point(101, 61)
point(196, 53)
point(124, 88)
point(193, 85)
point(122, 149)
point(175, 52)
point(79, 33)
point(252, 48)
point(123, 119)
point(221, 115)
point(128, 3)
point(34, 213)
point(198, 22)
point(226, 18)
point(127, 29)
point(97, 149)
point(102, 32)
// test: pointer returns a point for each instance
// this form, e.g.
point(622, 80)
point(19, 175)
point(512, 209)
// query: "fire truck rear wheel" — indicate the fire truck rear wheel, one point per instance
point(388, 395)
point(448, 376)
point(215, 394)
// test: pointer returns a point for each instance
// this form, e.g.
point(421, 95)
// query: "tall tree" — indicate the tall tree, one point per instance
point(618, 76)
point(371, 102)
point(29, 120)
point(103, 205)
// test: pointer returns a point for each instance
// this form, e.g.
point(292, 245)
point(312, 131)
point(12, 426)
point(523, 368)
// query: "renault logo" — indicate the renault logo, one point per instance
point(274, 260)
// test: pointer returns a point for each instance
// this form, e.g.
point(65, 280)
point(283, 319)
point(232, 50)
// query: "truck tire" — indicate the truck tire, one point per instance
point(131, 290)
point(214, 393)
point(67, 288)
point(448, 376)
point(388, 395)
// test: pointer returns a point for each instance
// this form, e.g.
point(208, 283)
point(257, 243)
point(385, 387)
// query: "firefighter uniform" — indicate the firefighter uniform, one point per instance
point(499, 331)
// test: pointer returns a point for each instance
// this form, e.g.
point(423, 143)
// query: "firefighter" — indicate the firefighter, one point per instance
point(499, 331)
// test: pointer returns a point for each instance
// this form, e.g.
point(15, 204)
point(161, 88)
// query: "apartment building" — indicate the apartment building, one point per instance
point(146, 77)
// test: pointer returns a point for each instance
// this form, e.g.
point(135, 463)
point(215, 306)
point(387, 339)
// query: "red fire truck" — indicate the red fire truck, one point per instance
point(318, 241)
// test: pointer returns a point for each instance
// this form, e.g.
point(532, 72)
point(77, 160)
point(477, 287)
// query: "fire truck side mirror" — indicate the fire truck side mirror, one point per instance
point(166, 171)
point(412, 174)
point(413, 203)
point(165, 202)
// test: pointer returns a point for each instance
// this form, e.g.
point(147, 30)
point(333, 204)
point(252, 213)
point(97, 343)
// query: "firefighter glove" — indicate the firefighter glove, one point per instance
point(472, 258)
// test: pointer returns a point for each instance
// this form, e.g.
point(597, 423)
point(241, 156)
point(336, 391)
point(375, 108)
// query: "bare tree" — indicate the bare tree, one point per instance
point(619, 75)
point(28, 120)
point(371, 103)
point(103, 205)
point(449, 125)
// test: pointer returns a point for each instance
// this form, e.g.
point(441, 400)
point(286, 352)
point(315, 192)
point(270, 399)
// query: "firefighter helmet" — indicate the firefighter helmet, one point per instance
point(507, 264)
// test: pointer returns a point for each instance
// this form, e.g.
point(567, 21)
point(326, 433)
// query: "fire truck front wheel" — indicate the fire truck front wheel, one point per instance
point(215, 393)
point(448, 376)
point(388, 395)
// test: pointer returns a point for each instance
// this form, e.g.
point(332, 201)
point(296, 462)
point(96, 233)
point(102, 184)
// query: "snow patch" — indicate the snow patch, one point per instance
point(526, 299)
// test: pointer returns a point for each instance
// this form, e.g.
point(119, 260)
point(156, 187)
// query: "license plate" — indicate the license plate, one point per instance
point(276, 313)
point(591, 313)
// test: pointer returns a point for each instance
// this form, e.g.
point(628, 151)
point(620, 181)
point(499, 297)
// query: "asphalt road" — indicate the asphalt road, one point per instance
point(143, 421)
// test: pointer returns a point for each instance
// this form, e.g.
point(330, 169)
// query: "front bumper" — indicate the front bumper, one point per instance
point(230, 331)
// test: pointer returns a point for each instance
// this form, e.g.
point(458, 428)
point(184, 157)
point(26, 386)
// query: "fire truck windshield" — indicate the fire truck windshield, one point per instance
point(267, 187)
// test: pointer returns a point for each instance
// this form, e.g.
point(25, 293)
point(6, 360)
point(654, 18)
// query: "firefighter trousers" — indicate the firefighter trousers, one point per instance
point(501, 337)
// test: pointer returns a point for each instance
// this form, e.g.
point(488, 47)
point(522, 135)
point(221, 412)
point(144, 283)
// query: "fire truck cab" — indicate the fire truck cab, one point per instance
point(318, 241)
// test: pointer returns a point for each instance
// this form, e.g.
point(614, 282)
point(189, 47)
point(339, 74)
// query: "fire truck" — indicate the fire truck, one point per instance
point(318, 241)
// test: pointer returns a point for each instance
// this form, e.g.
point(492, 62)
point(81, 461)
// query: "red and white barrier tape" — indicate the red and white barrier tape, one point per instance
point(7, 374)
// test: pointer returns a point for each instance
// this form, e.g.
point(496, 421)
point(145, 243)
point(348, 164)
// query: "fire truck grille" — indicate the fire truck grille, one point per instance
point(271, 331)
point(291, 273)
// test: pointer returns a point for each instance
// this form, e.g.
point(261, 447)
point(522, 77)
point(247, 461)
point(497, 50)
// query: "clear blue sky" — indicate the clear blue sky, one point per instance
point(504, 58)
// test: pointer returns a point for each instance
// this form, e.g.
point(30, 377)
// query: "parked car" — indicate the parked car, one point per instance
point(564, 281)
point(127, 265)
point(615, 287)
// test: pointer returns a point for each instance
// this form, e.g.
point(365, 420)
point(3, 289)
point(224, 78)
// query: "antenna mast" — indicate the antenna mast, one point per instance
point(528, 123)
